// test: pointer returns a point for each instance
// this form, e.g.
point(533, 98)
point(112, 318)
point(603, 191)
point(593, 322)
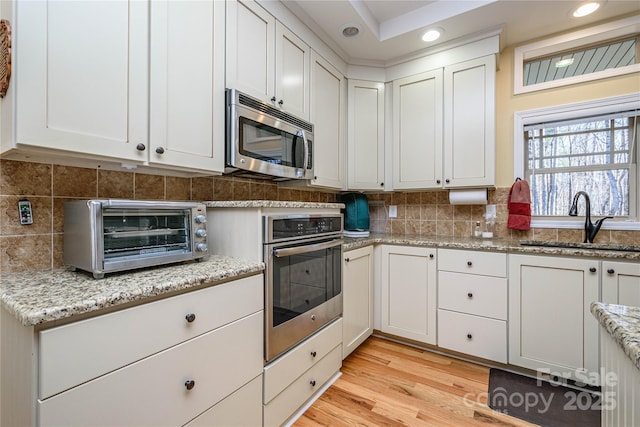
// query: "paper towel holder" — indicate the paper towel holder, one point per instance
point(469, 196)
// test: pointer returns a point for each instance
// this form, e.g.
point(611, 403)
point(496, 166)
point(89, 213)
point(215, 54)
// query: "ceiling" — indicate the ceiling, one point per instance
point(390, 30)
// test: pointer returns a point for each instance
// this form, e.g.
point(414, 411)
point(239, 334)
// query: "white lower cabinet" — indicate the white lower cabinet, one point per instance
point(294, 378)
point(551, 328)
point(357, 298)
point(472, 303)
point(408, 292)
point(621, 283)
point(130, 374)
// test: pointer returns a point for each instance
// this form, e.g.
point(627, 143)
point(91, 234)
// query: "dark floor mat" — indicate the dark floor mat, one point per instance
point(541, 402)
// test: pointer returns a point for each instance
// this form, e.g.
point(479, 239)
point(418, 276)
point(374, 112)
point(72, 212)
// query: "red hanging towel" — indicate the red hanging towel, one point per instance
point(519, 205)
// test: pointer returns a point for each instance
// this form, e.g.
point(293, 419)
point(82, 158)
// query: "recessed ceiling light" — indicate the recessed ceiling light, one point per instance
point(564, 63)
point(585, 9)
point(350, 30)
point(432, 34)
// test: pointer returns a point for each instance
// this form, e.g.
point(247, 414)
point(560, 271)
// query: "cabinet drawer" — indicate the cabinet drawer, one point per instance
point(153, 391)
point(484, 263)
point(472, 294)
point(295, 395)
point(282, 372)
point(240, 409)
point(78, 352)
point(488, 336)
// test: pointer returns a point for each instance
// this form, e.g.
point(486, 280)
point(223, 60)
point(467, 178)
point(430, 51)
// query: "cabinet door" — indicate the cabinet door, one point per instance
point(417, 131)
point(550, 324)
point(187, 84)
point(292, 72)
point(621, 283)
point(365, 135)
point(328, 93)
point(357, 298)
point(83, 76)
point(469, 123)
point(409, 292)
point(250, 49)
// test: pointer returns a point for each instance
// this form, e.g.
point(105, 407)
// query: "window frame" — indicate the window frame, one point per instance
point(568, 42)
point(566, 112)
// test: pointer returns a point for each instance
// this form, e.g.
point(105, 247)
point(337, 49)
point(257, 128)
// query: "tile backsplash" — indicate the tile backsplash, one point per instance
point(39, 246)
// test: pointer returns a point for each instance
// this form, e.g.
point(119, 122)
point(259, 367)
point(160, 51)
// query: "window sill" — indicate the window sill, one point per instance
point(579, 224)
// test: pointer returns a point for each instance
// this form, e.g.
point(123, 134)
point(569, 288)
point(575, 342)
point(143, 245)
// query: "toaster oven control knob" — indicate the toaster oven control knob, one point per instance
point(201, 232)
point(200, 219)
point(202, 247)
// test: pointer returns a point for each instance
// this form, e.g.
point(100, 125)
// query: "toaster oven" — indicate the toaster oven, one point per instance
point(103, 236)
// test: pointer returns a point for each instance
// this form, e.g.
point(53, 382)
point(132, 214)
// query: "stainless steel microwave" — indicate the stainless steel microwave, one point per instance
point(103, 236)
point(263, 139)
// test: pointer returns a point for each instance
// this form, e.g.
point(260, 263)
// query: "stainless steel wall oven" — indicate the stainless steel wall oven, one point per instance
point(303, 257)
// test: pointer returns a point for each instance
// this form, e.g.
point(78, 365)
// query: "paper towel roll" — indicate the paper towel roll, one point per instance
point(468, 197)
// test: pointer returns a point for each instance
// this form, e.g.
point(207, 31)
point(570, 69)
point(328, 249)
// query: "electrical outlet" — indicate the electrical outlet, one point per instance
point(24, 209)
point(393, 211)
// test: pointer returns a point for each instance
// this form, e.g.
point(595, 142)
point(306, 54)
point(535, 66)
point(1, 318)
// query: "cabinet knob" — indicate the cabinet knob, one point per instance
point(611, 271)
point(280, 102)
point(347, 259)
point(382, 184)
point(273, 99)
point(447, 180)
point(159, 150)
point(313, 354)
point(431, 256)
point(190, 317)
point(313, 383)
point(140, 147)
point(469, 295)
point(438, 181)
point(189, 384)
point(469, 336)
point(592, 269)
point(469, 263)
point(315, 178)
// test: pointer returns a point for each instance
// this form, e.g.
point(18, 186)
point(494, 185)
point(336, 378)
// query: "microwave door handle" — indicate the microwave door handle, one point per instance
point(306, 148)
point(280, 253)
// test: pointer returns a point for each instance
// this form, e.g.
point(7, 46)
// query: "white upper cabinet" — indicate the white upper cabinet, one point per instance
point(187, 84)
point(265, 59)
point(469, 123)
point(365, 135)
point(328, 93)
point(83, 77)
point(444, 127)
point(417, 131)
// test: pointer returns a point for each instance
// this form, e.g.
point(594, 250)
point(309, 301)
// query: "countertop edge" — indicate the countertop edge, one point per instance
point(623, 324)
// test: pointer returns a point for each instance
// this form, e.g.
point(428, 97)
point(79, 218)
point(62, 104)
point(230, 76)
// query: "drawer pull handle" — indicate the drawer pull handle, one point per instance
point(469, 295)
point(190, 384)
point(592, 269)
point(313, 354)
point(469, 263)
point(469, 336)
point(313, 383)
point(611, 271)
point(190, 317)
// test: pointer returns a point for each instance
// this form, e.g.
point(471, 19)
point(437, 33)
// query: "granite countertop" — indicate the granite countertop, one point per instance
point(623, 324)
point(493, 245)
point(37, 297)
point(271, 204)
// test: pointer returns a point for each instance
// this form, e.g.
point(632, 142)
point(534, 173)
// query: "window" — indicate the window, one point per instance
point(598, 52)
point(589, 147)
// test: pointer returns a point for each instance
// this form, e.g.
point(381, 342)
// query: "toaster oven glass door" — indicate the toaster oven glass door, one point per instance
point(145, 232)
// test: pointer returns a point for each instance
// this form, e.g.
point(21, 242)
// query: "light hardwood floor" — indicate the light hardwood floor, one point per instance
point(384, 383)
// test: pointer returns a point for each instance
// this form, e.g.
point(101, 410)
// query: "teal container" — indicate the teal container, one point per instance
point(356, 211)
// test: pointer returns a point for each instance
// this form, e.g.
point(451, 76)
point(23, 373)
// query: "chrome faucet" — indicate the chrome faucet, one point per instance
point(590, 229)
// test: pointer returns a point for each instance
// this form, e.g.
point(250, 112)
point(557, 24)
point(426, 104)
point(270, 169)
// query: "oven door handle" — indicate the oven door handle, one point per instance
point(279, 253)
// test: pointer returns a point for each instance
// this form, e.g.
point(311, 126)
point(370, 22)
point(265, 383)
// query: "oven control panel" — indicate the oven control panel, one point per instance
point(287, 227)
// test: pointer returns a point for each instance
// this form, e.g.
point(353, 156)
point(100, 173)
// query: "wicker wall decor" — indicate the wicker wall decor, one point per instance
point(5, 56)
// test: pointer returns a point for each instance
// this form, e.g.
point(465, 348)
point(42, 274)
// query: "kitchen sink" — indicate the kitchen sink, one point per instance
point(574, 245)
